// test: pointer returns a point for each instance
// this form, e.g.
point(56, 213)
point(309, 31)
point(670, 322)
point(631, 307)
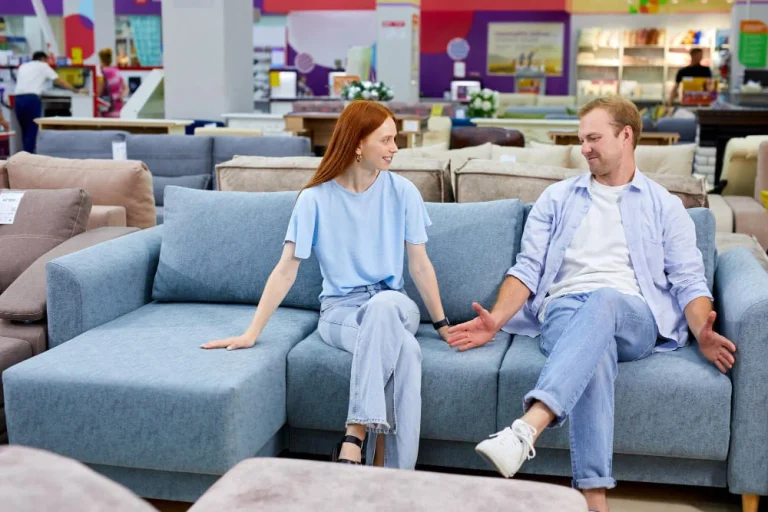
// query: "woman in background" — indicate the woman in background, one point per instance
point(112, 86)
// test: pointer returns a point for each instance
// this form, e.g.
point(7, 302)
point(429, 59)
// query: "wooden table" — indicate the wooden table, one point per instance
point(140, 126)
point(319, 128)
point(717, 127)
point(567, 138)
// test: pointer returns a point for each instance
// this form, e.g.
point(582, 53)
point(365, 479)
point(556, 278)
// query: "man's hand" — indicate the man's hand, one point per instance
point(475, 333)
point(714, 347)
point(5, 125)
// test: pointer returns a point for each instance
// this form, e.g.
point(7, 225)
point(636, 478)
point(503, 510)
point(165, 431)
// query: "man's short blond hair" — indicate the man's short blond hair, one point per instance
point(622, 111)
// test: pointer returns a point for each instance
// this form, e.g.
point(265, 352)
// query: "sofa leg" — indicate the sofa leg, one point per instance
point(750, 502)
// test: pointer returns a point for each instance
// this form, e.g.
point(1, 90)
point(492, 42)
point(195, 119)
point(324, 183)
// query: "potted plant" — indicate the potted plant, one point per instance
point(483, 103)
point(376, 91)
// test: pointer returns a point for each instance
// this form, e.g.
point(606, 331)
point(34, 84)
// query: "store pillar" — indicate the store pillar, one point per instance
point(397, 47)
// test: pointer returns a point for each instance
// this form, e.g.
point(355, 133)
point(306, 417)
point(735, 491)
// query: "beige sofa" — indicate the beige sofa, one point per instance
point(273, 174)
point(121, 190)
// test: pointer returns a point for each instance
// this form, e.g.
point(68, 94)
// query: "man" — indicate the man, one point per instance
point(694, 70)
point(608, 271)
point(30, 81)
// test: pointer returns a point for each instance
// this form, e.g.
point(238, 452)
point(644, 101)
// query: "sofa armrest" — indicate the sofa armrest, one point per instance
point(107, 216)
point(749, 217)
point(24, 299)
point(101, 283)
point(741, 295)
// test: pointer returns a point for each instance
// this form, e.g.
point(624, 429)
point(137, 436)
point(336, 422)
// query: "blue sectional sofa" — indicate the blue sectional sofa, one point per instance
point(180, 160)
point(126, 388)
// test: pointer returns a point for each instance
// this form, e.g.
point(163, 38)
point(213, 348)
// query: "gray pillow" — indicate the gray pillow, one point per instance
point(196, 181)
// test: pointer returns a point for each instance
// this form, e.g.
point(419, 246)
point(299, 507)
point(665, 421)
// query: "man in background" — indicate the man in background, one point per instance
point(693, 70)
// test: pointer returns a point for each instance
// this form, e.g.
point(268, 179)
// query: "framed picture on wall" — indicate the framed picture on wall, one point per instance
point(514, 47)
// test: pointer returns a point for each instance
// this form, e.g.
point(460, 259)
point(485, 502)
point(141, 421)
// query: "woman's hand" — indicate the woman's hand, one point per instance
point(233, 343)
point(443, 332)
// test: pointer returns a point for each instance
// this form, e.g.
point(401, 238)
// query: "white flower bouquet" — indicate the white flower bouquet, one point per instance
point(483, 103)
point(375, 91)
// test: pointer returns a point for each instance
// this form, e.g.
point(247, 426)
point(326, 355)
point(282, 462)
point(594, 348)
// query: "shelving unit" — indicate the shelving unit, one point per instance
point(615, 64)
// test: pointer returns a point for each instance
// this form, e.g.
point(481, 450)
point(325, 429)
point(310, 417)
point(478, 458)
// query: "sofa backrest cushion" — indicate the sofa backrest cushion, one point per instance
point(196, 181)
point(227, 147)
point(172, 155)
point(267, 174)
point(222, 246)
point(487, 181)
point(471, 247)
point(78, 143)
point(677, 159)
point(557, 156)
point(457, 157)
point(123, 183)
point(44, 219)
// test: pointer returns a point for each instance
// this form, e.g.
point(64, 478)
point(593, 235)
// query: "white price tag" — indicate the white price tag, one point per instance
point(9, 204)
point(119, 150)
point(410, 126)
point(509, 158)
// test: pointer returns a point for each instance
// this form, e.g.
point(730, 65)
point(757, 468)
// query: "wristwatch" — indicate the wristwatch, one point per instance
point(441, 323)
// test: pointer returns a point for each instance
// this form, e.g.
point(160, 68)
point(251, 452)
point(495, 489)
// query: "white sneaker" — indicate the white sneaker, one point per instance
point(508, 449)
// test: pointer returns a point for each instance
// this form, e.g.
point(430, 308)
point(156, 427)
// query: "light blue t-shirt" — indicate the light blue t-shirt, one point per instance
point(359, 239)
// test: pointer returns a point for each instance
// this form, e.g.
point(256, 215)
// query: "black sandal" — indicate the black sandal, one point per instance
point(335, 455)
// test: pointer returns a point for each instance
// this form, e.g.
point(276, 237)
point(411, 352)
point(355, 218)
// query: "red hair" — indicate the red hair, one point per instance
point(357, 121)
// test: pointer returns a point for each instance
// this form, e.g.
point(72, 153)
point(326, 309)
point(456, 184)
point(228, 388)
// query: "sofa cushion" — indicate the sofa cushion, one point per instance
point(78, 143)
point(267, 174)
point(457, 157)
point(557, 156)
point(646, 391)
point(459, 389)
point(677, 159)
point(123, 183)
point(12, 351)
point(172, 155)
point(160, 214)
point(139, 392)
point(483, 180)
point(4, 174)
point(24, 299)
point(488, 235)
point(107, 216)
point(44, 219)
point(37, 480)
point(196, 181)
point(728, 241)
point(33, 334)
point(226, 147)
point(222, 246)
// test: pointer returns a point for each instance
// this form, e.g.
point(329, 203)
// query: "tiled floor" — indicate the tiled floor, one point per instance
point(627, 497)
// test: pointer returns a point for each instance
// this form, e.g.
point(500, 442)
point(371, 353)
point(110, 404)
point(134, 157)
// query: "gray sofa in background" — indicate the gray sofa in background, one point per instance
point(181, 160)
point(128, 390)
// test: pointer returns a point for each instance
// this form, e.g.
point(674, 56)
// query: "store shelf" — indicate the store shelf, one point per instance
point(660, 66)
point(598, 65)
point(654, 47)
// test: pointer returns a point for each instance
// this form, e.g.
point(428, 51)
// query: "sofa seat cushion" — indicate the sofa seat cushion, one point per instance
point(79, 143)
point(674, 404)
point(459, 389)
point(139, 391)
point(195, 181)
point(722, 212)
point(172, 155)
point(33, 334)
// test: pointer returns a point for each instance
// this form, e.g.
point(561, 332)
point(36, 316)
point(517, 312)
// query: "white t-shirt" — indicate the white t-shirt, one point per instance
point(598, 256)
point(31, 77)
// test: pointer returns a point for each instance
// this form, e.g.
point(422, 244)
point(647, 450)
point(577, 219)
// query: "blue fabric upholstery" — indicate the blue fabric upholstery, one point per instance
point(78, 143)
point(196, 181)
point(138, 392)
point(704, 220)
point(459, 389)
point(741, 295)
point(226, 147)
point(470, 263)
point(222, 246)
point(685, 127)
point(160, 214)
point(101, 283)
point(646, 391)
point(172, 155)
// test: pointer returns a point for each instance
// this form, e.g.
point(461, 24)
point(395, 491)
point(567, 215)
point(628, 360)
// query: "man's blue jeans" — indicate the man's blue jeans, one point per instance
point(584, 337)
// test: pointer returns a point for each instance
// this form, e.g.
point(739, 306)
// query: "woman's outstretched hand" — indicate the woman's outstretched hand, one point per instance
point(233, 343)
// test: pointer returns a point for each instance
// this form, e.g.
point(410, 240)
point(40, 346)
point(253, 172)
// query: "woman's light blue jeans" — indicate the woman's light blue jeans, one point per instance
point(377, 326)
point(584, 337)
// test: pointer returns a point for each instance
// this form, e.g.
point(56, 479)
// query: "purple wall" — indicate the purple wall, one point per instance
point(24, 7)
point(437, 70)
point(131, 7)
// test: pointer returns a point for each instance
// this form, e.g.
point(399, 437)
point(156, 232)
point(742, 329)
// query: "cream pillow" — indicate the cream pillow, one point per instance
point(677, 160)
point(556, 156)
point(457, 157)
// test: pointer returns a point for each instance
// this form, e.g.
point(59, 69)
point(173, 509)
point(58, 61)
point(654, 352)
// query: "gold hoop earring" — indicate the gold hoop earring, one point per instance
point(359, 158)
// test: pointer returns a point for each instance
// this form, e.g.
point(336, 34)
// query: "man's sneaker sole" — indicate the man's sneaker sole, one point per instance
point(491, 462)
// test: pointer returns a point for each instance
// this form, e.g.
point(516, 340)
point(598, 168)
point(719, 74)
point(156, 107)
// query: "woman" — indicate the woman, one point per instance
point(112, 84)
point(359, 218)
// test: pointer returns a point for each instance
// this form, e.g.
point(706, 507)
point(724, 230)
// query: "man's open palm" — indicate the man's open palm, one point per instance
point(475, 333)
point(715, 347)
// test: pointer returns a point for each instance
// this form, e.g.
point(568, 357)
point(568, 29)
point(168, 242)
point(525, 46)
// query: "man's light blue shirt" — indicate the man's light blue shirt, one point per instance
point(661, 238)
